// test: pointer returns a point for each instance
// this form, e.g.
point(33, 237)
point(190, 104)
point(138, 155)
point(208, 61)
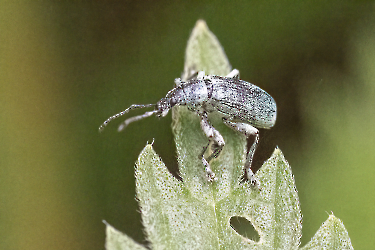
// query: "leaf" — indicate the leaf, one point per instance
point(194, 213)
point(176, 217)
point(204, 52)
point(116, 240)
point(331, 235)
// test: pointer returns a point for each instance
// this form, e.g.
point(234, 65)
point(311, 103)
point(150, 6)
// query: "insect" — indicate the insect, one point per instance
point(243, 107)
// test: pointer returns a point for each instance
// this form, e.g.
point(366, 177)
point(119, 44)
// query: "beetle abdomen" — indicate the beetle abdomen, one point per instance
point(244, 101)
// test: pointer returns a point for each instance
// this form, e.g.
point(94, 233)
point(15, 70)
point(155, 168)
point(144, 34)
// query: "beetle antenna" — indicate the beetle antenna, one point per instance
point(133, 106)
point(134, 119)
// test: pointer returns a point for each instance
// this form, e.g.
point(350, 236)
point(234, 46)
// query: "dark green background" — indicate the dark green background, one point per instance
point(66, 67)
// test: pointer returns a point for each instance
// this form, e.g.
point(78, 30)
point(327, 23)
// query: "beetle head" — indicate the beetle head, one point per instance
point(162, 107)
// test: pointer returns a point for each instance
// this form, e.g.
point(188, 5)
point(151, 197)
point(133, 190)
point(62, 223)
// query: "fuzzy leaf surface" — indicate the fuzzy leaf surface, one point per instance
point(331, 235)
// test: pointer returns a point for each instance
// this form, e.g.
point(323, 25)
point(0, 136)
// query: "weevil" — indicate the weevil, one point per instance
point(243, 107)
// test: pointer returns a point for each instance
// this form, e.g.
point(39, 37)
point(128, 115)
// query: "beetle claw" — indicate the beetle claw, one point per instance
point(211, 176)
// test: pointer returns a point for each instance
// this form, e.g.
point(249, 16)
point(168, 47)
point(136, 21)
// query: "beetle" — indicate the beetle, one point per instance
point(243, 106)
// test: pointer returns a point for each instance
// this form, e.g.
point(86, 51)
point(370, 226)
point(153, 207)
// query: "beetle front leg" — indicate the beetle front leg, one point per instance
point(247, 130)
point(218, 143)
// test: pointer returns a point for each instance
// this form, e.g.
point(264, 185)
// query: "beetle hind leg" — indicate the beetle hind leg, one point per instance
point(248, 131)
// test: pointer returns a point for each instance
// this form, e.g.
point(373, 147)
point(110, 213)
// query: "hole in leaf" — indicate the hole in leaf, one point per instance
point(244, 227)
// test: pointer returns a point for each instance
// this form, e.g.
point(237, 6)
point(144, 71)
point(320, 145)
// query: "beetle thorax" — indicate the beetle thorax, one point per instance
point(192, 94)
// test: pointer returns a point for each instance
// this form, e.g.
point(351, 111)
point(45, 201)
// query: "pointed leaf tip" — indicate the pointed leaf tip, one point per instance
point(201, 25)
point(115, 240)
point(331, 235)
point(204, 52)
point(279, 192)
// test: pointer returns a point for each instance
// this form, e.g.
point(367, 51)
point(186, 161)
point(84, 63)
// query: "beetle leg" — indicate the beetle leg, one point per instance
point(218, 143)
point(247, 130)
point(235, 73)
point(200, 75)
point(195, 75)
point(210, 174)
point(178, 82)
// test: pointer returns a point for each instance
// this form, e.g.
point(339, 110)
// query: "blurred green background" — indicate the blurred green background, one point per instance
point(66, 67)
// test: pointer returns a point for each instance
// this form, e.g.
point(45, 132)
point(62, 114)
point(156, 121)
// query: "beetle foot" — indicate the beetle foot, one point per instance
point(252, 179)
point(210, 175)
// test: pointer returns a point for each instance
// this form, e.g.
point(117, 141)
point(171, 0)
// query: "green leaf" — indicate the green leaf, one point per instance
point(204, 52)
point(331, 235)
point(196, 214)
point(116, 240)
point(178, 217)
